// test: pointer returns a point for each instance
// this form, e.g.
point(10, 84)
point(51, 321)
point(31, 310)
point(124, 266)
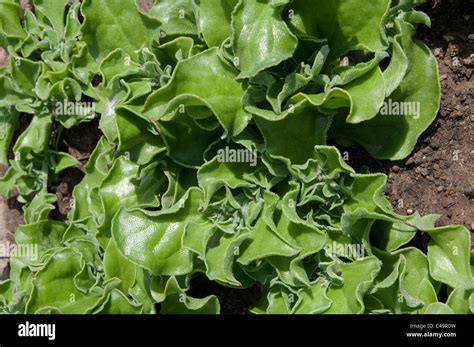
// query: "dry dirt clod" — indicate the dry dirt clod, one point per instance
point(437, 51)
point(469, 61)
point(3, 57)
point(449, 190)
point(435, 144)
point(9, 221)
point(26, 4)
point(146, 5)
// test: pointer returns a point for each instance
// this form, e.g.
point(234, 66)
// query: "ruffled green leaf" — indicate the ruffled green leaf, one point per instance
point(222, 94)
point(335, 22)
point(109, 25)
point(358, 277)
point(154, 242)
point(449, 255)
point(261, 39)
point(215, 20)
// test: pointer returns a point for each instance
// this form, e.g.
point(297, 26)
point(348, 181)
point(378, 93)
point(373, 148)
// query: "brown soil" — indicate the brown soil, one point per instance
point(10, 218)
point(438, 176)
point(232, 301)
point(78, 142)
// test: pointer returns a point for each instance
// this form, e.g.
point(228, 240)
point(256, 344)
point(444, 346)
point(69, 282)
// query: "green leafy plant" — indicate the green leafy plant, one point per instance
point(216, 118)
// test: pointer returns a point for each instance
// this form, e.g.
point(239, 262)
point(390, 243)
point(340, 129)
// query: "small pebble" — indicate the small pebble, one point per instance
point(435, 144)
point(444, 113)
point(396, 168)
point(409, 211)
point(471, 37)
point(418, 160)
point(440, 189)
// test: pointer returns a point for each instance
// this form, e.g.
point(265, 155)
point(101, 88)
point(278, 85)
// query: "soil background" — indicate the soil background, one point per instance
point(437, 178)
point(439, 175)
